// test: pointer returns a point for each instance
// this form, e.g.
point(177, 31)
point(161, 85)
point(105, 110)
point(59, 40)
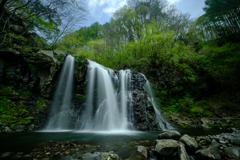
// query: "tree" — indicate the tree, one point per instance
point(48, 18)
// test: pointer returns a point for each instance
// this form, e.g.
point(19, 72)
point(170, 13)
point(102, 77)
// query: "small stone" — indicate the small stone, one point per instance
point(73, 144)
point(67, 143)
point(203, 142)
point(67, 152)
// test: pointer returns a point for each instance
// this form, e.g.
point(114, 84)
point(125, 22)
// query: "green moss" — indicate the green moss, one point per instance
point(184, 125)
point(214, 125)
point(42, 103)
point(12, 113)
point(80, 96)
point(7, 90)
point(112, 156)
point(26, 93)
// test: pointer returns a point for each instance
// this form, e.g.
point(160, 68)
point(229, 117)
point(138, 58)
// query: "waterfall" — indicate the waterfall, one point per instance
point(161, 121)
point(60, 108)
point(102, 110)
point(126, 98)
point(115, 101)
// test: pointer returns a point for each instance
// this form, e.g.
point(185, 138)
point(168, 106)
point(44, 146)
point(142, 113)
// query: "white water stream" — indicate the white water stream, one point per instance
point(109, 101)
point(60, 119)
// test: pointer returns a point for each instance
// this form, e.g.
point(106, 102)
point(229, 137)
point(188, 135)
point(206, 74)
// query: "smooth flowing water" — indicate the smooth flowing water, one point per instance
point(60, 118)
point(102, 111)
point(164, 125)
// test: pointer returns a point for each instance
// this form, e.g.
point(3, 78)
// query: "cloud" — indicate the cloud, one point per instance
point(173, 1)
point(107, 6)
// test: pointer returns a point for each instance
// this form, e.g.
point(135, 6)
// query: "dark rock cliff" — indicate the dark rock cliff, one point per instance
point(27, 81)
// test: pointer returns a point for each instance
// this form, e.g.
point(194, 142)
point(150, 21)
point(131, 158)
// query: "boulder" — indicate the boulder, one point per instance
point(190, 143)
point(58, 52)
point(7, 130)
point(137, 156)
point(166, 147)
point(234, 152)
point(18, 128)
point(144, 151)
point(210, 153)
point(45, 59)
point(182, 154)
point(236, 141)
point(170, 135)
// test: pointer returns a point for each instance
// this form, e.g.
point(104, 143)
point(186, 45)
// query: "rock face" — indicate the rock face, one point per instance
point(166, 147)
point(143, 113)
point(170, 135)
point(27, 79)
point(190, 143)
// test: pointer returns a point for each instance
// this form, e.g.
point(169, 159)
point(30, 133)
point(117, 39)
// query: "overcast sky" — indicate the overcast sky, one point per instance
point(101, 10)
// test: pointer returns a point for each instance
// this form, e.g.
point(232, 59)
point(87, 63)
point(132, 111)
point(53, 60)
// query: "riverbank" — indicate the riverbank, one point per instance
point(128, 145)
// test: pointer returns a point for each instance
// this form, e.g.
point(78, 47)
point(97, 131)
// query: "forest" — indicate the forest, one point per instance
point(151, 36)
point(193, 64)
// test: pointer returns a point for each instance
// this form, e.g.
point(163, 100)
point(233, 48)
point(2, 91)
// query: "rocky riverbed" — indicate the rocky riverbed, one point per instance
point(169, 145)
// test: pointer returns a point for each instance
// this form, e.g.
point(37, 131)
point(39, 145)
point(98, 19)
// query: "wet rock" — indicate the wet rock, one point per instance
point(166, 147)
point(7, 130)
point(144, 151)
point(170, 135)
point(203, 142)
point(67, 152)
point(182, 154)
point(233, 152)
point(190, 143)
point(18, 128)
point(215, 143)
point(205, 122)
point(210, 153)
point(6, 154)
point(236, 141)
point(111, 157)
point(137, 156)
point(31, 127)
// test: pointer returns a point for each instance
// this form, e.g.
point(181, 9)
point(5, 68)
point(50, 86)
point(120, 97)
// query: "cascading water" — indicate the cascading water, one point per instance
point(126, 98)
point(102, 111)
point(110, 100)
point(116, 100)
point(60, 118)
point(164, 125)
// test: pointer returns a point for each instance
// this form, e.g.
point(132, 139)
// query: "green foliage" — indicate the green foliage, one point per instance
point(7, 90)
point(12, 113)
point(48, 47)
point(80, 96)
point(214, 125)
point(42, 103)
point(59, 57)
point(26, 93)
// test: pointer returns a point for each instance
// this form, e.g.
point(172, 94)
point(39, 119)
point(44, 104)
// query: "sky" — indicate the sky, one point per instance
point(101, 10)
